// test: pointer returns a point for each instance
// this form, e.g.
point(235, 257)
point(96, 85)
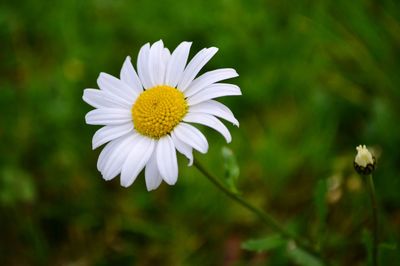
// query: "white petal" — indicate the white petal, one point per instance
point(214, 108)
point(194, 66)
point(143, 66)
point(152, 175)
point(177, 64)
point(183, 148)
point(105, 153)
point(108, 116)
point(209, 78)
point(129, 76)
point(166, 56)
point(166, 160)
point(210, 121)
point(116, 87)
point(108, 133)
point(117, 157)
point(156, 63)
point(138, 157)
point(191, 136)
point(214, 91)
point(101, 99)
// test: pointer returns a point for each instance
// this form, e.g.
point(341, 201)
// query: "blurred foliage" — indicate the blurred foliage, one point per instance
point(318, 78)
point(231, 168)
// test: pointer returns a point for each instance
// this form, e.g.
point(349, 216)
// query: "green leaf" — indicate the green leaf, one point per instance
point(264, 244)
point(231, 168)
point(302, 257)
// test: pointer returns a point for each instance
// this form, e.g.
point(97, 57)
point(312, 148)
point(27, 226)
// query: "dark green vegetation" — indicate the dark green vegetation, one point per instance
point(318, 78)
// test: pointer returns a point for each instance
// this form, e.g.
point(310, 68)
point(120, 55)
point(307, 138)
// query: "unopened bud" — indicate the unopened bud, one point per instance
point(364, 163)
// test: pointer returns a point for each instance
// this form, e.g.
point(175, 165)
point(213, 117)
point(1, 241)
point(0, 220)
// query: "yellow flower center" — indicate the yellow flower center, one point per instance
point(158, 110)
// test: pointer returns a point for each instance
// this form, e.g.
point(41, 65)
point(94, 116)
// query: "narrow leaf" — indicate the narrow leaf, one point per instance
point(264, 244)
point(302, 257)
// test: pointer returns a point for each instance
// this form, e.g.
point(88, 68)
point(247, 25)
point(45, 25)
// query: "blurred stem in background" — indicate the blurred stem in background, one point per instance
point(265, 218)
point(374, 207)
point(364, 164)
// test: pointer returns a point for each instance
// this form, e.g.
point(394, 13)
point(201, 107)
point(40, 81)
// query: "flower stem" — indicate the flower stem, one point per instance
point(264, 217)
point(374, 206)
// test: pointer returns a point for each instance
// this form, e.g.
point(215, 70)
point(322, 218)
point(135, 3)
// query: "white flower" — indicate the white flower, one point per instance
point(146, 115)
point(364, 163)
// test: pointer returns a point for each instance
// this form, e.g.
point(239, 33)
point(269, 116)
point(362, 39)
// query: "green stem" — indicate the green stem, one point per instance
point(264, 217)
point(374, 206)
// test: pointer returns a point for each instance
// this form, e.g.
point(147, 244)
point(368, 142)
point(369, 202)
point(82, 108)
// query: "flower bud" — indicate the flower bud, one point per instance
point(364, 163)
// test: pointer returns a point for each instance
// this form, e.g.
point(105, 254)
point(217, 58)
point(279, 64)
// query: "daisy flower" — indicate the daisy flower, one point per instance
point(147, 114)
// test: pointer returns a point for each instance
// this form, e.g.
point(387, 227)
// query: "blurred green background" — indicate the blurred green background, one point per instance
point(318, 78)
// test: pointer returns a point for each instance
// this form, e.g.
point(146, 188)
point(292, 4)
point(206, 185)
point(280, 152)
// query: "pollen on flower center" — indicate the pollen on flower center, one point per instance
point(158, 110)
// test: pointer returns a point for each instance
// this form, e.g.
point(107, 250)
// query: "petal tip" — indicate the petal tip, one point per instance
point(214, 49)
point(125, 184)
point(204, 151)
point(87, 118)
point(105, 177)
point(101, 77)
point(152, 187)
point(171, 183)
point(84, 98)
